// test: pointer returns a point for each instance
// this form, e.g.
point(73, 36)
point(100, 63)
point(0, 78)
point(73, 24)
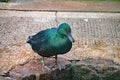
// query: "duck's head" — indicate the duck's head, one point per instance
point(65, 30)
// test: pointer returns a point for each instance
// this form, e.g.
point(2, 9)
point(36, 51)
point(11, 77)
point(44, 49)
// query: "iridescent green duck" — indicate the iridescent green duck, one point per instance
point(52, 41)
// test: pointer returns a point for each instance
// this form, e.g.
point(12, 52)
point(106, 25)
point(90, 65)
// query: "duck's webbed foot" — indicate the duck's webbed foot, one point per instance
point(57, 65)
point(45, 68)
point(60, 66)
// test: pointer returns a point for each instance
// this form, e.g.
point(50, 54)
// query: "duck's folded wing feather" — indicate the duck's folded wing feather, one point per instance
point(42, 45)
point(40, 37)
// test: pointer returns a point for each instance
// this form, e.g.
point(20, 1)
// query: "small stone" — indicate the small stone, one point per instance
point(86, 20)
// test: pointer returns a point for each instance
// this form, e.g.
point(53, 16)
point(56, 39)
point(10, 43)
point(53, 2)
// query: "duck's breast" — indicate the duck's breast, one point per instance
point(60, 45)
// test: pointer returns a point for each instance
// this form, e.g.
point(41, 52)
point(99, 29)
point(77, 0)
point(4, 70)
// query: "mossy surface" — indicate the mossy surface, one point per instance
point(4, 0)
point(114, 76)
point(65, 74)
point(78, 72)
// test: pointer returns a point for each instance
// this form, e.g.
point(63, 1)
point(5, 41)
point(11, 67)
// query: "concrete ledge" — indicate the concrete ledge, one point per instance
point(78, 15)
point(35, 14)
point(53, 15)
point(63, 6)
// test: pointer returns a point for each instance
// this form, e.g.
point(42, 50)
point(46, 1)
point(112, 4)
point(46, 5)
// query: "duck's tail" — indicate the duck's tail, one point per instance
point(29, 38)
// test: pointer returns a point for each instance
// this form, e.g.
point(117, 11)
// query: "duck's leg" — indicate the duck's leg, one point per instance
point(56, 60)
point(55, 63)
point(44, 68)
point(58, 65)
point(42, 61)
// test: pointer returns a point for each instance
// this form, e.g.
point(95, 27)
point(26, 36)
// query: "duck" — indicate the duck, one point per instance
point(52, 42)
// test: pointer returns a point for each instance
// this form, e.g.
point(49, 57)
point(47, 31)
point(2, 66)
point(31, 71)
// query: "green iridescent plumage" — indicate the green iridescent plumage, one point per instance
point(52, 41)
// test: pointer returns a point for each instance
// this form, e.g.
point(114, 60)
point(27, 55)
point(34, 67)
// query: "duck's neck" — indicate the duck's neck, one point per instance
point(60, 35)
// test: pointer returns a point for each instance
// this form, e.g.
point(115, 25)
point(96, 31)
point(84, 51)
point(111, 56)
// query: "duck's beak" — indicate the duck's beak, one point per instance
point(70, 38)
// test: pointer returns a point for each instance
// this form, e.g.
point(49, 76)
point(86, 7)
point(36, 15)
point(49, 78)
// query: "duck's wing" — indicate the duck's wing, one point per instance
point(41, 42)
point(40, 37)
point(44, 35)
